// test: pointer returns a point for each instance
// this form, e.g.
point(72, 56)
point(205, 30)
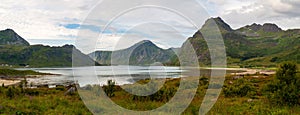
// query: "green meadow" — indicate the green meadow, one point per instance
point(252, 94)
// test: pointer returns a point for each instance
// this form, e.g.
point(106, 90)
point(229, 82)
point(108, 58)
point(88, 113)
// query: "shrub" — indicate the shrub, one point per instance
point(287, 73)
point(110, 88)
point(10, 92)
point(204, 81)
point(285, 88)
point(163, 95)
point(239, 88)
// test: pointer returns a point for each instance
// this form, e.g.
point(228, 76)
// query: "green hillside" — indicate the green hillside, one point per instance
point(142, 53)
point(10, 37)
point(18, 52)
point(249, 46)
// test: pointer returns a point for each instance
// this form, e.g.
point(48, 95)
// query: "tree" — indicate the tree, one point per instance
point(110, 88)
point(10, 92)
point(285, 88)
point(287, 73)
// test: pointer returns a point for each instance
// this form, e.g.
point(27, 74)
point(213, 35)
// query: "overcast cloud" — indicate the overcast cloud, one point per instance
point(57, 22)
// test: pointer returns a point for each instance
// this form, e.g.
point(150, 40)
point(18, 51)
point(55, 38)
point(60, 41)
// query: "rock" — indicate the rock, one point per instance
point(250, 100)
point(268, 27)
point(237, 77)
point(70, 91)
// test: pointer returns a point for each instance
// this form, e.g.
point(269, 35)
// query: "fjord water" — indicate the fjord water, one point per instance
point(100, 74)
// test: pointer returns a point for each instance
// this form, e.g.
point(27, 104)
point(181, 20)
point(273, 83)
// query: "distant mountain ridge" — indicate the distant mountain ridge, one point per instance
point(16, 51)
point(141, 53)
point(251, 45)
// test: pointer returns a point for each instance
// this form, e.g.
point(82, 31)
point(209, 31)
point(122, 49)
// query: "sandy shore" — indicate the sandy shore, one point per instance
point(254, 71)
point(9, 82)
point(247, 71)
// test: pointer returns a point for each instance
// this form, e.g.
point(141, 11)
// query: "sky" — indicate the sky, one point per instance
point(117, 24)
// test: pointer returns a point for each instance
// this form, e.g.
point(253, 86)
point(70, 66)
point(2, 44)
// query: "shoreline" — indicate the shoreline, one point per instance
point(9, 82)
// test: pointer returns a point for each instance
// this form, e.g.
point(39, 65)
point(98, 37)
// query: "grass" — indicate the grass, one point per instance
point(41, 101)
point(250, 104)
point(53, 101)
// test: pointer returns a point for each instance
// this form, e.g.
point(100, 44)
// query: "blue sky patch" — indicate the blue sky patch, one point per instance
point(71, 26)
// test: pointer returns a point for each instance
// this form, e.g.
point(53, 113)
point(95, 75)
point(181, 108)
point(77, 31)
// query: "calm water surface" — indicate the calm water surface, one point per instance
point(100, 74)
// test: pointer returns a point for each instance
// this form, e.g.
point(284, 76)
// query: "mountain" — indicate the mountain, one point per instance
point(211, 23)
point(252, 45)
point(10, 37)
point(248, 46)
point(237, 46)
point(18, 52)
point(257, 30)
point(141, 53)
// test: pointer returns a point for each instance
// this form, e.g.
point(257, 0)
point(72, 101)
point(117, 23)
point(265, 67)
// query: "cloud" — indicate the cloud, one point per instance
point(41, 20)
point(54, 22)
point(166, 23)
point(282, 12)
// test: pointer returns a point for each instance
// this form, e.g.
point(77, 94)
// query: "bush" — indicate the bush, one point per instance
point(204, 81)
point(239, 88)
point(163, 95)
point(11, 92)
point(285, 89)
point(110, 88)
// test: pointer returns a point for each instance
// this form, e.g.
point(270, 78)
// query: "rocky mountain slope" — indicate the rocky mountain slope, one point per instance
point(252, 45)
point(10, 37)
point(16, 51)
point(142, 53)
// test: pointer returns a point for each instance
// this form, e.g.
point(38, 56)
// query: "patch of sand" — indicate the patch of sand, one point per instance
point(9, 82)
point(254, 71)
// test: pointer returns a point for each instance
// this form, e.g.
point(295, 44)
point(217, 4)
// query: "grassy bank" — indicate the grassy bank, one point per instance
point(53, 101)
point(253, 102)
point(247, 94)
point(40, 101)
point(5, 72)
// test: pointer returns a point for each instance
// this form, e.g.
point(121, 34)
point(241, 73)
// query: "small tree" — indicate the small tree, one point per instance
point(287, 73)
point(285, 88)
point(110, 88)
point(10, 92)
point(239, 88)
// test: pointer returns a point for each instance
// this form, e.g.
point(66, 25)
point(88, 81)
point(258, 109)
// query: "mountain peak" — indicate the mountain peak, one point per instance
point(212, 22)
point(267, 27)
point(9, 30)
point(145, 42)
point(254, 27)
point(270, 27)
point(10, 37)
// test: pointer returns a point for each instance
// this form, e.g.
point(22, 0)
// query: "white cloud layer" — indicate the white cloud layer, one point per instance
point(41, 21)
point(282, 12)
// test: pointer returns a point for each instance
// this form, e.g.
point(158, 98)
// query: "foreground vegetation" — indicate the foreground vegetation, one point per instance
point(42, 101)
point(249, 94)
